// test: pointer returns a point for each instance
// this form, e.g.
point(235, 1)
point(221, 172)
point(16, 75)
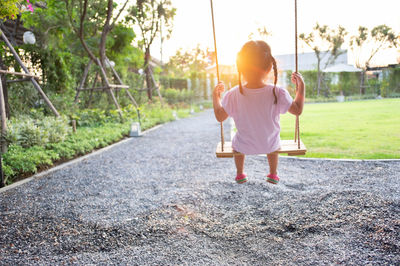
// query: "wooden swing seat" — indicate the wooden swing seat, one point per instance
point(288, 147)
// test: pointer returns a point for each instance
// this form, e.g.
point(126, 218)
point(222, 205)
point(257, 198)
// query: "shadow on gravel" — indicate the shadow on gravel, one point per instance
point(163, 208)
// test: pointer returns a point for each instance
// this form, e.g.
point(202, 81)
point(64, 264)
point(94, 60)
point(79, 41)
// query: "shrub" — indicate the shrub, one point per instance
point(55, 129)
point(97, 129)
point(24, 132)
point(27, 132)
point(174, 96)
point(18, 160)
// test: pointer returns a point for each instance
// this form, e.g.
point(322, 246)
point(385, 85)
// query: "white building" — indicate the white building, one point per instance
point(307, 61)
point(286, 62)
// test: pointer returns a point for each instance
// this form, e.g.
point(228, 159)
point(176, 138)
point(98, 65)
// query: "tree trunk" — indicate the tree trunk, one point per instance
point(3, 80)
point(362, 82)
point(104, 33)
point(148, 74)
point(5, 93)
point(3, 121)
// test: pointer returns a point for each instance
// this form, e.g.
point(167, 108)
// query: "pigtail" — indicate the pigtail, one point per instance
point(275, 77)
point(240, 84)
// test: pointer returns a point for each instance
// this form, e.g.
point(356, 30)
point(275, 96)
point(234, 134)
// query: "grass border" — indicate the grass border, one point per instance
point(78, 159)
point(232, 133)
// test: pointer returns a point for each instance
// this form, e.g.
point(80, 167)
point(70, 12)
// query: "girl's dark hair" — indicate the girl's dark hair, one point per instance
point(255, 56)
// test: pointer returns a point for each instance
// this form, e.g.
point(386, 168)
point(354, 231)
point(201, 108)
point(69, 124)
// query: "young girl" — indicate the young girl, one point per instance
point(256, 107)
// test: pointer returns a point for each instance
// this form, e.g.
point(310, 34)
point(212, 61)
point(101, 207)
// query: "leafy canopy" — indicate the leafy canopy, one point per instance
point(368, 43)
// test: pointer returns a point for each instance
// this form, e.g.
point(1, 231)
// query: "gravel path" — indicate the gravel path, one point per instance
point(165, 199)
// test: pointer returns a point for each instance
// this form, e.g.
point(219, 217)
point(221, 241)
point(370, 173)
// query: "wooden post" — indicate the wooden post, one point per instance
point(120, 82)
point(157, 88)
point(91, 91)
point(103, 73)
point(85, 74)
point(3, 119)
point(132, 99)
point(73, 126)
point(35, 84)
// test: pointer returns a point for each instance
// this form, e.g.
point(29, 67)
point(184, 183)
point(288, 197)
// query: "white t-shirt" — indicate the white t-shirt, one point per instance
point(256, 117)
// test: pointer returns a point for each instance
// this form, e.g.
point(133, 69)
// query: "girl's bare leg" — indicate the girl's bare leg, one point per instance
point(239, 161)
point(273, 163)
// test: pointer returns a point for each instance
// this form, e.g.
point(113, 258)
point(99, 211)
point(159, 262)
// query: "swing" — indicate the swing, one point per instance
point(289, 147)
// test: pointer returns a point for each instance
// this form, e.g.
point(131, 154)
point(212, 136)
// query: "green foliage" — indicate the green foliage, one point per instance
point(310, 79)
point(59, 55)
point(177, 83)
point(184, 63)
point(18, 160)
point(9, 9)
point(27, 132)
point(96, 128)
point(174, 96)
point(393, 77)
point(148, 15)
point(349, 83)
point(121, 51)
point(324, 41)
point(90, 117)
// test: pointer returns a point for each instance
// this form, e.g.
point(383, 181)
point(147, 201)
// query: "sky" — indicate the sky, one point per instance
point(236, 19)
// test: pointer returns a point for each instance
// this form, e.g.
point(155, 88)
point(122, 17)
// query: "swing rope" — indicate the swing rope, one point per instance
point(297, 126)
point(216, 62)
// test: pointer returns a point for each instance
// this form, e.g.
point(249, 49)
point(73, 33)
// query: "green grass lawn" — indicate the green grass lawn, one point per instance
point(359, 130)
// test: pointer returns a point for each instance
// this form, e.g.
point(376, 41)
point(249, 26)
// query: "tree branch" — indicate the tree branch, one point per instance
point(105, 31)
point(81, 36)
point(119, 13)
point(70, 17)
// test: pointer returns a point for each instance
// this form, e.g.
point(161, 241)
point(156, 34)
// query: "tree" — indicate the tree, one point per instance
point(78, 11)
point(60, 56)
point(183, 63)
point(148, 15)
point(367, 44)
point(324, 41)
point(262, 33)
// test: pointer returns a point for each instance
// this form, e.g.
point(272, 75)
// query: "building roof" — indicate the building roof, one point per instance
point(307, 61)
point(341, 68)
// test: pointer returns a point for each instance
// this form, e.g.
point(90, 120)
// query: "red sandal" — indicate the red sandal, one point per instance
point(273, 179)
point(240, 179)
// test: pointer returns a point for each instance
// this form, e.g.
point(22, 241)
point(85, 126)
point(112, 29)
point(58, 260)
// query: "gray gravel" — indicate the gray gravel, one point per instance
point(165, 199)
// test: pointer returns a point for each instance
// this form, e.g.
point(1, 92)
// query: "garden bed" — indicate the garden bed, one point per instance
point(28, 153)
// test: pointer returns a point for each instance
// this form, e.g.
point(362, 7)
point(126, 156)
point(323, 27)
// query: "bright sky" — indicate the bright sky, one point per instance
point(236, 19)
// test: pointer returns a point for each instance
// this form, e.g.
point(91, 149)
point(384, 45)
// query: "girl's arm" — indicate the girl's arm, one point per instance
point(219, 111)
point(297, 106)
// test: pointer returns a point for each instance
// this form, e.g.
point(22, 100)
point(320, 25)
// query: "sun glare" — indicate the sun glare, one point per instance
point(236, 20)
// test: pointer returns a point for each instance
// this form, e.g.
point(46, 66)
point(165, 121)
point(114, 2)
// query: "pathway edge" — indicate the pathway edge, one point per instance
point(76, 160)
